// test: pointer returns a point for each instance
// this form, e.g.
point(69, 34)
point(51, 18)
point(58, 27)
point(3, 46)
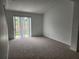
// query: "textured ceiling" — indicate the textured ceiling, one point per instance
point(34, 6)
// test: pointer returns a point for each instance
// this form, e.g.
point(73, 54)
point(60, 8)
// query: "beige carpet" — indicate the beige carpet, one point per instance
point(40, 48)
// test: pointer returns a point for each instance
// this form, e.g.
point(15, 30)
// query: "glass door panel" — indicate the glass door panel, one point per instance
point(26, 27)
point(22, 27)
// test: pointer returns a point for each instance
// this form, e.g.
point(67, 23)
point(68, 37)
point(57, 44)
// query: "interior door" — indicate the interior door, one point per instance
point(3, 33)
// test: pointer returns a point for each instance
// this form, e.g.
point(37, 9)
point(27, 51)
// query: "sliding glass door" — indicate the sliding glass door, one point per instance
point(22, 26)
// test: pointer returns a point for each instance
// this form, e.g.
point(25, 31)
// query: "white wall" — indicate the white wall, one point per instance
point(58, 22)
point(36, 20)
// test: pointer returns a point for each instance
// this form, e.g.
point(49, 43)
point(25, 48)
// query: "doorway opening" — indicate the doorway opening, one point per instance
point(22, 27)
